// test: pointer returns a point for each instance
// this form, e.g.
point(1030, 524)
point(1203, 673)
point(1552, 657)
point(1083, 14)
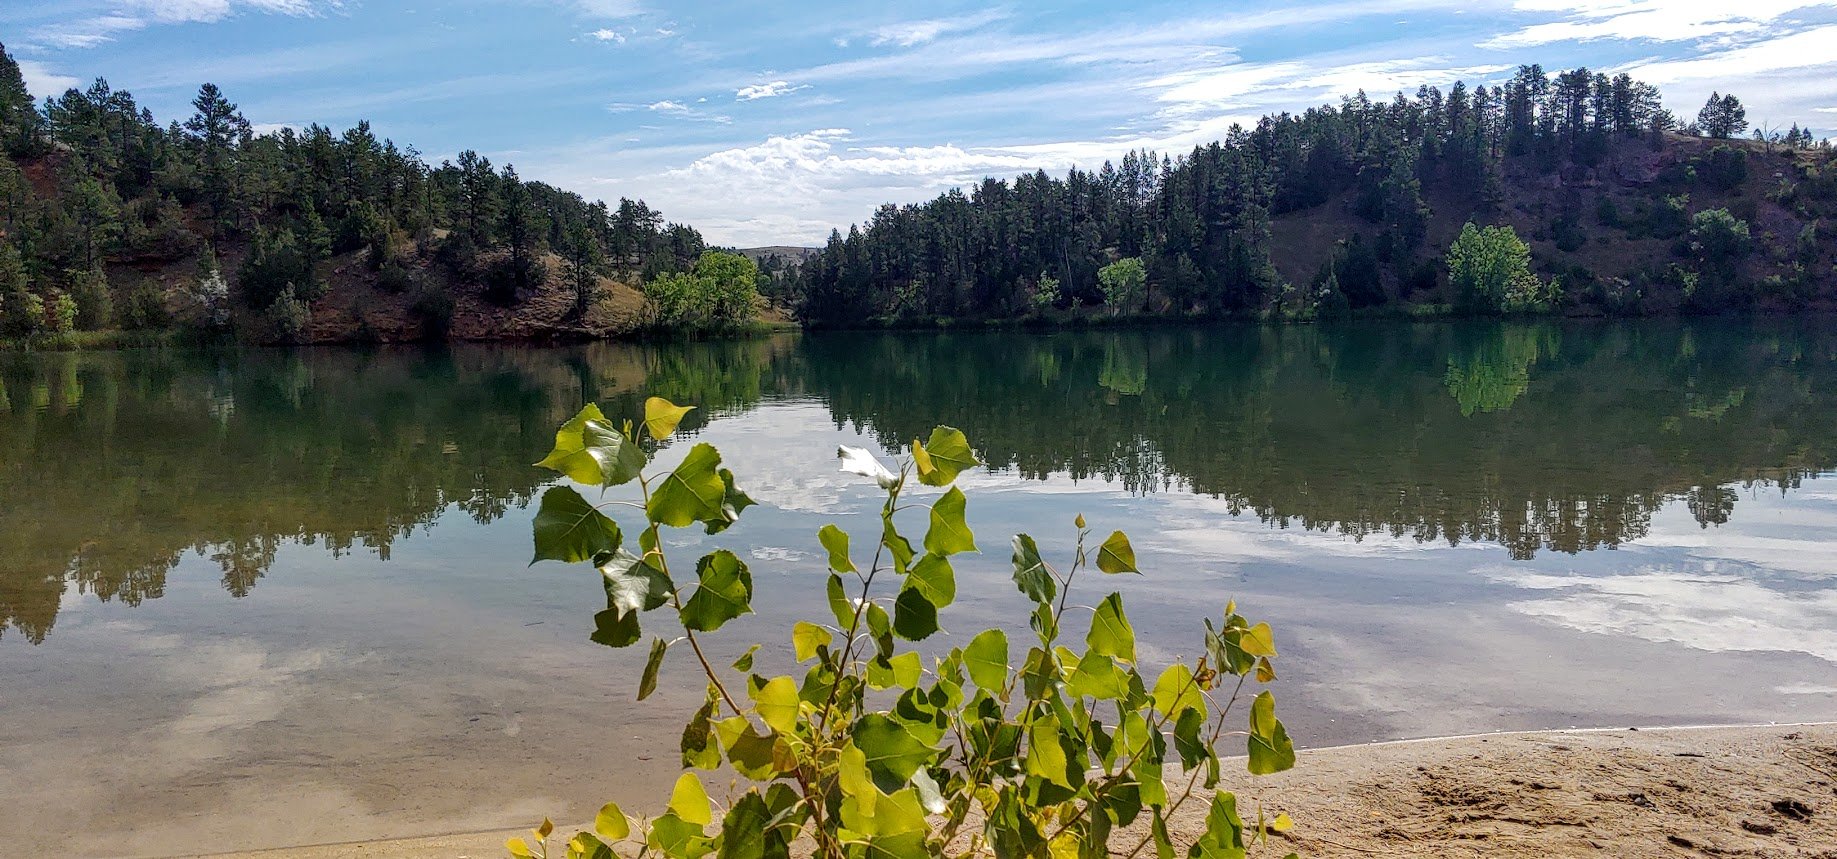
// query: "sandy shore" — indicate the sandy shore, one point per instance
point(1672, 792)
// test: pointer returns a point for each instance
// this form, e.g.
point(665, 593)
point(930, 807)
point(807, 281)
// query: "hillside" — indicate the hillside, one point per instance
point(1587, 196)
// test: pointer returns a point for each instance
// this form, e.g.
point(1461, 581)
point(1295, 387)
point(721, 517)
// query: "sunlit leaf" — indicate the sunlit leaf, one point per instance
point(519, 848)
point(724, 593)
point(633, 585)
point(1282, 823)
point(986, 659)
point(839, 604)
point(611, 824)
point(859, 461)
point(570, 530)
point(934, 577)
point(693, 492)
point(648, 682)
point(698, 743)
point(586, 845)
point(901, 672)
point(733, 503)
point(835, 541)
point(1098, 677)
point(1111, 634)
point(1175, 690)
point(589, 450)
point(689, 801)
point(1271, 750)
point(1116, 555)
point(890, 748)
point(661, 417)
point(1224, 833)
point(945, 456)
point(1266, 673)
point(1045, 757)
point(1031, 573)
point(949, 533)
point(806, 637)
point(776, 702)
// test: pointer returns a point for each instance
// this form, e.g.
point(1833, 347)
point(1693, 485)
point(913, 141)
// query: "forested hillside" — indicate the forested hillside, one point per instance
point(1599, 201)
point(111, 220)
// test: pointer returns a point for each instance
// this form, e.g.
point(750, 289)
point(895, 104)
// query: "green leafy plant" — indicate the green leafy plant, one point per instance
point(1041, 748)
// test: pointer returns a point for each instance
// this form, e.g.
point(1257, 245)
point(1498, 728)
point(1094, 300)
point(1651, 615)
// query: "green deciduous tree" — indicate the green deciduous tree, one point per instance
point(1489, 269)
point(1124, 284)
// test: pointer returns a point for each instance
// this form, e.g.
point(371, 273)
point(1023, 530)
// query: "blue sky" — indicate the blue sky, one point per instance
point(772, 123)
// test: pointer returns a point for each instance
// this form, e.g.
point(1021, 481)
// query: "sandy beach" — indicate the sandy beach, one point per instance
point(1669, 792)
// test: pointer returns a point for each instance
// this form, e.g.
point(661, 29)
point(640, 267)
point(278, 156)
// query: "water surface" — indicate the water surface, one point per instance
point(282, 597)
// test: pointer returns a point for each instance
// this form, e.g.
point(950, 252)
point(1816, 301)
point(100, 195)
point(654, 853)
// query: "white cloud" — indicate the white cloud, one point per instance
point(1648, 20)
point(1812, 48)
point(606, 35)
point(131, 15)
point(667, 106)
point(908, 33)
point(42, 81)
point(766, 90)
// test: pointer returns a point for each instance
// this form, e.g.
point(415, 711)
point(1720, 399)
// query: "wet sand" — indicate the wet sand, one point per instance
point(1672, 792)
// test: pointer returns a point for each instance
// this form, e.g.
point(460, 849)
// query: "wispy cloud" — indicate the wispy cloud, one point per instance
point(131, 15)
point(606, 35)
point(905, 34)
point(1648, 20)
point(766, 90)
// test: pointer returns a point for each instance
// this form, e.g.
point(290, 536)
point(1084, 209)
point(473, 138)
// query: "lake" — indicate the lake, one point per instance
point(274, 598)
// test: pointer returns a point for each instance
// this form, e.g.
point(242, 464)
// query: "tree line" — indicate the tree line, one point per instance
point(90, 179)
point(1198, 226)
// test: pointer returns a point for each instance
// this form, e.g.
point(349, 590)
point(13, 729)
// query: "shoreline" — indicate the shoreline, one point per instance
point(1762, 790)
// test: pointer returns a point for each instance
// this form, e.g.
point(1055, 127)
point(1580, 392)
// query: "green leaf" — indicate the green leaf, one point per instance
point(725, 592)
point(986, 659)
point(898, 545)
point(648, 682)
point(806, 637)
point(590, 451)
point(1098, 677)
point(934, 578)
point(693, 492)
point(745, 662)
point(586, 845)
point(839, 604)
point(1186, 738)
point(1031, 573)
point(615, 628)
point(733, 503)
point(661, 417)
point(689, 801)
point(835, 540)
point(1224, 833)
point(1116, 555)
point(942, 458)
point(890, 748)
point(776, 702)
point(1164, 844)
point(902, 671)
point(611, 824)
point(1271, 751)
point(570, 530)
point(633, 585)
point(948, 533)
point(698, 747)
point(677, 838)
point(1111, 634)
point(1045, 757)
point(914, 617)
point(1175, 690)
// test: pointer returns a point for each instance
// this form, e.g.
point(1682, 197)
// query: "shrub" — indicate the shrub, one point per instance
point(433, 306)
point(871, 754)
point(22, 313)
point(1489, 269)
point(718, 293)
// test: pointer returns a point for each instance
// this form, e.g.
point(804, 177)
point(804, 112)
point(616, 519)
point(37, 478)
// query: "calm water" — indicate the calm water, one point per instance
point(281, 598)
